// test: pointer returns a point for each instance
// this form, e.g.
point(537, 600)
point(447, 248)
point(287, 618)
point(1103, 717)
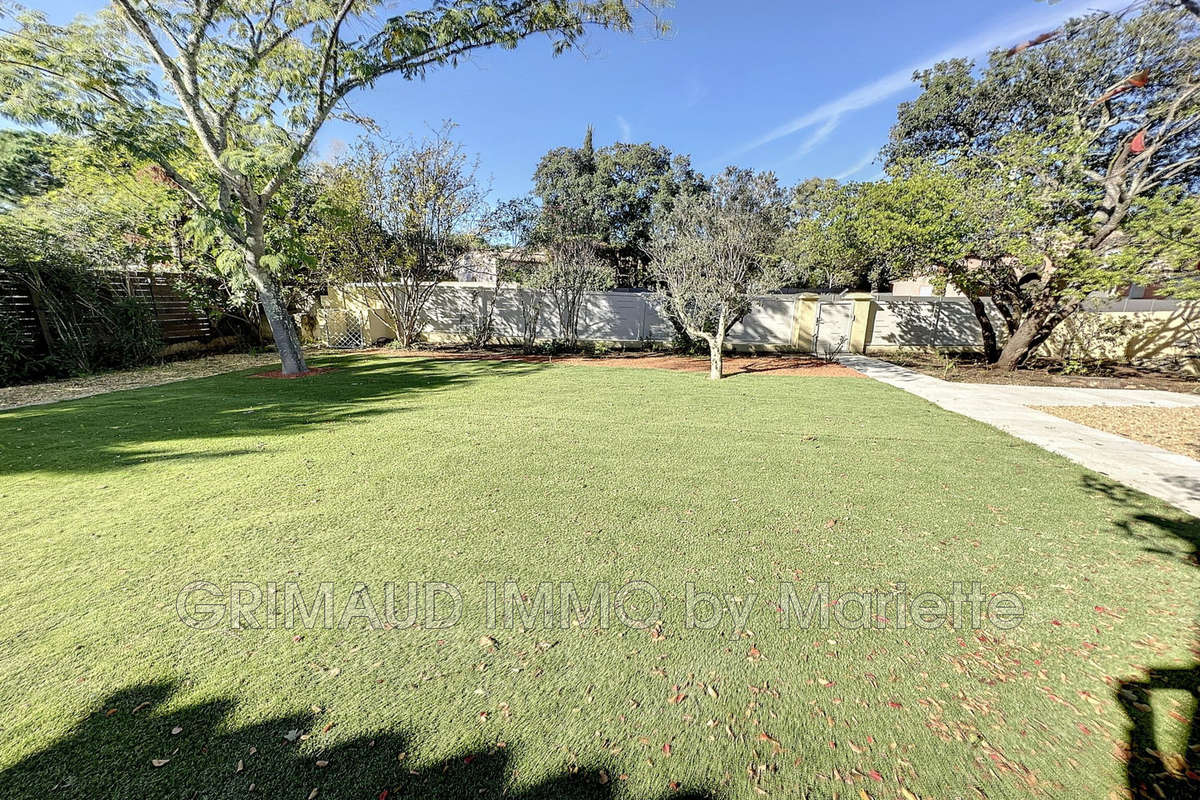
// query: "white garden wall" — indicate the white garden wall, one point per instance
point(803, 322)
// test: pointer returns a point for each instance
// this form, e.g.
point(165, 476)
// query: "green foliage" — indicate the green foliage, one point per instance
point(1163, 241)
point(89, 323)
point(517, 218)
point(1087, 123)
point(25, 165)
point(717, 249)
point(18, 361)
point(613, 195)
point(133, 334)
point(227, 97)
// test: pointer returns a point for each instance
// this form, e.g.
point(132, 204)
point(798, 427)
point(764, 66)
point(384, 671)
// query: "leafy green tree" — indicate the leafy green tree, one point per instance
point(107, 209)
point(613, 195)
point(715, 250)
point(426, 209)
point(1163, 241)
point(827, 241)
point(517, 219)
point(25, 165)
point(1092, 120)
point(244, 87)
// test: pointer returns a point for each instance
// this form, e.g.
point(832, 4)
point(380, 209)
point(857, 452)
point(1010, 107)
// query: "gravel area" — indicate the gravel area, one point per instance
point(32, 394)
point(1174, 429)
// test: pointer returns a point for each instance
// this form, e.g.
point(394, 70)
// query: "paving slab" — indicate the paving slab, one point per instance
point(1169, 476)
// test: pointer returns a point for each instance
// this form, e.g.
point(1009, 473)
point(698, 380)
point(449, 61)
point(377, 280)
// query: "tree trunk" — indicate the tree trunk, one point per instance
point(1035, 328)
point(991, 349)
point(282, 329)
point(716, 355)
point(716, 366)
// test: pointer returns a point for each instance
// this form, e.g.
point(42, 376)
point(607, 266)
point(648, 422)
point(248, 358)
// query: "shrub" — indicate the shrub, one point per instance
point(91, 325)
point(16, 354)
point(134, 336)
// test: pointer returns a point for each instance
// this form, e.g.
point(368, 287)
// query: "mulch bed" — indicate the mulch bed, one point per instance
point(278, 373)
point(1174, 429)
point(804, 366)
point(1047, 373)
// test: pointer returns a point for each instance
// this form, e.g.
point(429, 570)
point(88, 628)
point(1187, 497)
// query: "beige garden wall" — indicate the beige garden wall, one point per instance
point(1126, 330)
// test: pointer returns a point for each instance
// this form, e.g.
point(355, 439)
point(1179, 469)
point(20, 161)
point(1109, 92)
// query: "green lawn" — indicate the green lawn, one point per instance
point(404, 470)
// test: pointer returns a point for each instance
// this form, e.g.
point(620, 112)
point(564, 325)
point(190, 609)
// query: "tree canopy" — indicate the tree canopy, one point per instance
point(613, 195)
point(243, 87)
point(1090, 121)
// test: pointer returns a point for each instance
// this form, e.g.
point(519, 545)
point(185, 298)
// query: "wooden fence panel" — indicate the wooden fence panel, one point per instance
point(178, 321)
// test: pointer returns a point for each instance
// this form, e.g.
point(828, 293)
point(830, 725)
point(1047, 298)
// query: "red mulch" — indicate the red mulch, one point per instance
point(806, 366)
point(278, 373)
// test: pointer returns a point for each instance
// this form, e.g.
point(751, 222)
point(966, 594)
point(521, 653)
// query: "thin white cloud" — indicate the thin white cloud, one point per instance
point(1012, 32)
point(626, 130)
point(857, 166)
point(821, 134)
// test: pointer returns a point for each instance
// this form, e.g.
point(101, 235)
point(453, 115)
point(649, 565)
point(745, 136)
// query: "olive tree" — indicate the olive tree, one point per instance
point(242, 88)
point(715, 250)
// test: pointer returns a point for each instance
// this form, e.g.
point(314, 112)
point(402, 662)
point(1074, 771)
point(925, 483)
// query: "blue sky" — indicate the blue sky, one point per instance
point(802, 87)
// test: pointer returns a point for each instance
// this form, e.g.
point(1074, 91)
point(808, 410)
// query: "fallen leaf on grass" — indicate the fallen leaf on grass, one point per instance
point(159, 762)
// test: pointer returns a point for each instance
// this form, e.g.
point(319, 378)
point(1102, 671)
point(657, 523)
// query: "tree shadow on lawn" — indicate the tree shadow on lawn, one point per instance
point(112, 753)
point(1151, 773)
point(117, 430)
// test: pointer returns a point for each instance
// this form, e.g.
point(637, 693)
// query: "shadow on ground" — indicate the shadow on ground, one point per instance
point(112, 753)
point(1152, 771)
point(120, 429)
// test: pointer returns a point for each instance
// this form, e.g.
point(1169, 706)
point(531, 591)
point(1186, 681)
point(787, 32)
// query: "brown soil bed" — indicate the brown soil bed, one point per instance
point(32, 394)
point(278, 374)
point(1174, 429)
point(1047, 373)
point(803, 366)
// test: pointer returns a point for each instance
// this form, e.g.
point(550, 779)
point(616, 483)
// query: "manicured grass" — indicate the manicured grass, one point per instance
point(469, 472)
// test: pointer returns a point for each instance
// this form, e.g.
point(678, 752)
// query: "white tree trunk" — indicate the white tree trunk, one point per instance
point(287, 342)
point(716, 356)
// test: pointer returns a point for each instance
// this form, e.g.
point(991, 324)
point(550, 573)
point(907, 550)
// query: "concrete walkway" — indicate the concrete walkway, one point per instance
point(1169, 476)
